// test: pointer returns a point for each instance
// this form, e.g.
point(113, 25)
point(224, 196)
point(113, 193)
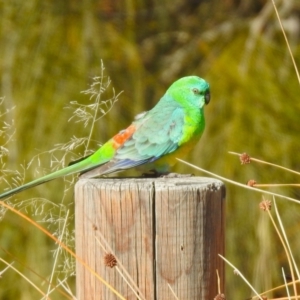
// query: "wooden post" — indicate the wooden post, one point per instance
point(165, 232)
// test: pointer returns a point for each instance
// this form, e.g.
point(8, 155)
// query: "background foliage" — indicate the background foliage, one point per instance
point(50, 50)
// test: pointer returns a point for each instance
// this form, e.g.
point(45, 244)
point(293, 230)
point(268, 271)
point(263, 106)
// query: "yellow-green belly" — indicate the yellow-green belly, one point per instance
point(164, 163)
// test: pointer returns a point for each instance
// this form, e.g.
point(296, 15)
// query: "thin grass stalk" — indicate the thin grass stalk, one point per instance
point(80, 260)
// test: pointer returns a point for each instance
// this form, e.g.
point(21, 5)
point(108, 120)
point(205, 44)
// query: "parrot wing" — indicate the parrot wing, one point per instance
point(157, 132)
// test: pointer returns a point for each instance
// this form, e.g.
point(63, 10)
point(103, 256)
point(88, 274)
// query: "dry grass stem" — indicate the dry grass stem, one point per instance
point(239, 184)
point(43, 279)
point(24, 277)
point(57, 252)
point(119, 267)
point(68, 293)
point(242, 276)
point(286, 252)
point(219, 282)
point(46, 232)
point(267, 163)
point(106, 248)
point(66, 287)
point(286, 286)
point(50, 213)
point(97, 88)
point(5, 269)
point(286, 239)
point(287, 42)
point(276, 185)
point(172, 291)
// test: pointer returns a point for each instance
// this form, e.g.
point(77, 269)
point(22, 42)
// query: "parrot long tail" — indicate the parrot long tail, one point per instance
point(71, 169)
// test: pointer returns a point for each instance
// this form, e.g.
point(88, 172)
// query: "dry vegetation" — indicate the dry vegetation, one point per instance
point(237, 46)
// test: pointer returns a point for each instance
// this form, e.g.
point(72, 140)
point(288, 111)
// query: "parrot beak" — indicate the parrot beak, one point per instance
point(207, 98)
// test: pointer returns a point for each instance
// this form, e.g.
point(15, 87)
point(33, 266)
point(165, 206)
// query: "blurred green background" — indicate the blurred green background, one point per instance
point(51, 50)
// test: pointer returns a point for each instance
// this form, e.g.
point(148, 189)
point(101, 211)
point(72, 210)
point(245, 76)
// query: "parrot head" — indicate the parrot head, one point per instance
point(190, 91)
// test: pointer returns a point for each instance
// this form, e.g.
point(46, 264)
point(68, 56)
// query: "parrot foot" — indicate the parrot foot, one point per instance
point(176, 175)
point(153, 174)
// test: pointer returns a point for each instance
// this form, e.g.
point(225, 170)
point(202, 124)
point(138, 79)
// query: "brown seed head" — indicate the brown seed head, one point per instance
point(245, 159)
point(251, 182)
point(110, 260)
point(236, 272)
point(265, 205)
point(220, 297)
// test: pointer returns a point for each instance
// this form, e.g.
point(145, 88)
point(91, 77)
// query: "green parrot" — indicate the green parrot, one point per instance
point(154, 140)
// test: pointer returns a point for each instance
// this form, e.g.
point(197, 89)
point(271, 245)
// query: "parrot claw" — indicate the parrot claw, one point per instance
point(176, 175)
point(156, 174)
point(153, 174)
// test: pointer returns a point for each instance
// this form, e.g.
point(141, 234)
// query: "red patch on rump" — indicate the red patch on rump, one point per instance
point(120, 138)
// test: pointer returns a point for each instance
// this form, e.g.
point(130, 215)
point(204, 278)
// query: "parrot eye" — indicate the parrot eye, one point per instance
point(207, 97)
point(195, 91)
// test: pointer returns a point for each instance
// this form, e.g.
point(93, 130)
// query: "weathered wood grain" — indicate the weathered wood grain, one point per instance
point(163, 231)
